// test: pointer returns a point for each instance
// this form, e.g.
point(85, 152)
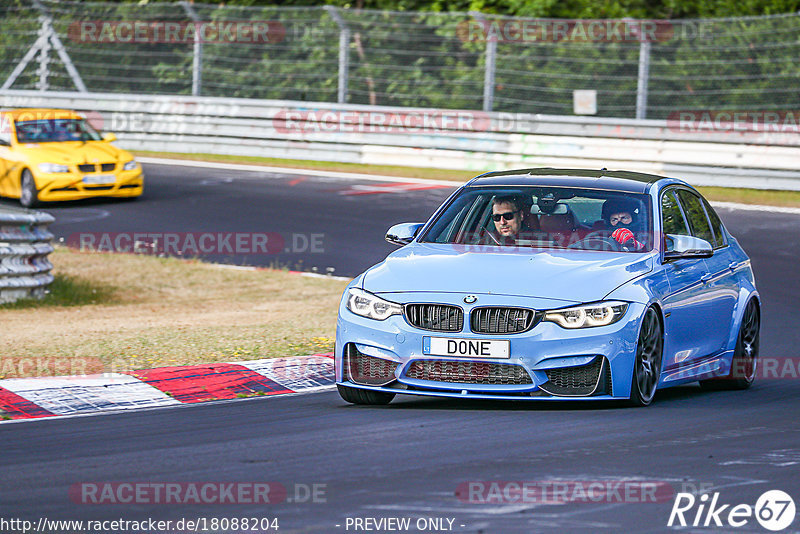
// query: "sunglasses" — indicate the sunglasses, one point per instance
point(507, 216)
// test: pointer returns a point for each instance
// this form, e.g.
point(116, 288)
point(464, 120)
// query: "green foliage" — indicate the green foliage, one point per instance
point(67, 291)
point(585, 9)
point(424, 58)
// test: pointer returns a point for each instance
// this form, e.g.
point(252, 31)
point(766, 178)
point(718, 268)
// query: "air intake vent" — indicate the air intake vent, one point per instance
point(367, 370)
point(501, 320)
point(468, 372)
point(577, 381)
point(435, 317)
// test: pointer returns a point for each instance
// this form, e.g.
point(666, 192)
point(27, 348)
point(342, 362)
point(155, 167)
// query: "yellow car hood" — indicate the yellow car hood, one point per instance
point(75, 152)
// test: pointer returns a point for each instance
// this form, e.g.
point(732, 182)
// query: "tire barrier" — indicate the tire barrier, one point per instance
point(25, 242)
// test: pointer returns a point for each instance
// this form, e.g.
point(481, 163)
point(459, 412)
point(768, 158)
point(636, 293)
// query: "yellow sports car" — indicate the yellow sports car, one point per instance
point(54, 154)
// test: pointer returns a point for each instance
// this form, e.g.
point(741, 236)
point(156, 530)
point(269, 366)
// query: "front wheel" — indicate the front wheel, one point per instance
point(28, 195)
point(364, 396)
point(745, 355)
point(647, 366)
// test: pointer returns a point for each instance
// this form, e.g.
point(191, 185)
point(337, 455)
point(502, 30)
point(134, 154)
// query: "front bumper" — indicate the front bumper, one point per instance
point(70, 186)
point(544, 362)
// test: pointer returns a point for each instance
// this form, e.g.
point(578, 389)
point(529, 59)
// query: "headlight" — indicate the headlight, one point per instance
point(53, 167)
point(366, 304)
point(131, 165)
point(588, 315)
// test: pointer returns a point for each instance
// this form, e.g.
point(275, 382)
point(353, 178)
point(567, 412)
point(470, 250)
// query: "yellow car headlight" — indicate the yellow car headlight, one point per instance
point(53, 167)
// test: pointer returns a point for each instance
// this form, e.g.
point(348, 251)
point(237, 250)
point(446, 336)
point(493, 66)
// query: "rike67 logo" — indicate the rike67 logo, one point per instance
point(774, 510)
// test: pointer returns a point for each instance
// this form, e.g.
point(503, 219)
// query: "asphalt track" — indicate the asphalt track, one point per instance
point(409, 459)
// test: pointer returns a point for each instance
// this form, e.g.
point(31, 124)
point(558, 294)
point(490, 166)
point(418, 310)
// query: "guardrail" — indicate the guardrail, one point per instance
point(25, 243)
point(701, 152)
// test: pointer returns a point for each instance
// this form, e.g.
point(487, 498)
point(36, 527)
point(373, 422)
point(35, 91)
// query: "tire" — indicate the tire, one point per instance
point(363, 396)
point(647, 365)
point(28, 195)
point(745, 355)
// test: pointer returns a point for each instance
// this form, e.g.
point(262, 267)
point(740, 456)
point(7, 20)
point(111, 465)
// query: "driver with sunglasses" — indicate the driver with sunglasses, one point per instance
point(511, 219)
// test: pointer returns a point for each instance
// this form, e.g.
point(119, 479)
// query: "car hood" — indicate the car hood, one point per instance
point(75, 152)
point(569, 275)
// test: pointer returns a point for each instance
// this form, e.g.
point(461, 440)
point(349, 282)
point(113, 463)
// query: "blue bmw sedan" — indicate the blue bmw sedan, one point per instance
point(553, 284)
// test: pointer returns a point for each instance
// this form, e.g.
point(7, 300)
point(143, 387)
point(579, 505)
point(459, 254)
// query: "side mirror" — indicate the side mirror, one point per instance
point(109, 137)
point(403, 234)
point(684, 246)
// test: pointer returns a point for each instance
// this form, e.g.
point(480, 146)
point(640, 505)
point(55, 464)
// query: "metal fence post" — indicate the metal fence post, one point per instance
point(197, 50)
point(52, 37)
point(44, 56)
point(644, 75)
point(489, 64)
point(344, 53)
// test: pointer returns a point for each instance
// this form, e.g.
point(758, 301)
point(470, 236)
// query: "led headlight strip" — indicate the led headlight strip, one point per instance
point(366, 304)
point(588, 315)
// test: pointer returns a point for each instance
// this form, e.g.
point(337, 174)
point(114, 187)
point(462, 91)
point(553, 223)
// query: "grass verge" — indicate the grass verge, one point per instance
point(123, 312)
point(721, 194)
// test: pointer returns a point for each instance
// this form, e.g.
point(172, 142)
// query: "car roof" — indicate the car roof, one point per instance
point(41, 113)
point(626, 181)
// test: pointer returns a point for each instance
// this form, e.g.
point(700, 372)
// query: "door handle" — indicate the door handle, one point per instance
point(733, 265)
point(706, 278)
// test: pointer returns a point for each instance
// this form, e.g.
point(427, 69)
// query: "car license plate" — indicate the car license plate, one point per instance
point(467, 348)
point(100, 179)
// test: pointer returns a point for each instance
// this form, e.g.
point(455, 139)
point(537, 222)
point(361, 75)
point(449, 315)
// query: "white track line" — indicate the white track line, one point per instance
point(755, 207)
point(289, 170)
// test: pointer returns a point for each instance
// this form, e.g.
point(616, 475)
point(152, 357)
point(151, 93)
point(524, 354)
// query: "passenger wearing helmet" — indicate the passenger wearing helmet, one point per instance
point(621, 219)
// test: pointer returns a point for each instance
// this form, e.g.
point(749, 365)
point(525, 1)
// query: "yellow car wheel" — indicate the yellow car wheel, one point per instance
point(28, 195)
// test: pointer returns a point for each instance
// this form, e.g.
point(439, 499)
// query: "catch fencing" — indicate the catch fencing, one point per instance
point(608, 68)
point(701, 153)
point(25, 243)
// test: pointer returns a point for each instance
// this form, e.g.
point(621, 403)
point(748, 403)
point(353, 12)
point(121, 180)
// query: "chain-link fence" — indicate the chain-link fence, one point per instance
point(623, 68)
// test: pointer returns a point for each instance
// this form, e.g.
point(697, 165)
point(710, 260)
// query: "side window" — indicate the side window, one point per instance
point(716, 225)
point(698, 221)
point(671, 216)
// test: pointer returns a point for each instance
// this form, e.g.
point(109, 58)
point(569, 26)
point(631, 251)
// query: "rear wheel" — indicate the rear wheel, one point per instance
point(28, 195)
point(647, 366)
point(745, 355)
point(364, 396)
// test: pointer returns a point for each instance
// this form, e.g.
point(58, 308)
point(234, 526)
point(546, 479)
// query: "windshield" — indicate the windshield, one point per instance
point(55, 131)
point(545, 217)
